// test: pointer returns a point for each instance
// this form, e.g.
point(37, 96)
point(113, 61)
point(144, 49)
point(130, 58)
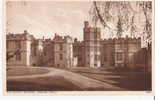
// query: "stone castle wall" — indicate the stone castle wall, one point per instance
point(18, 49)
point(64, 52)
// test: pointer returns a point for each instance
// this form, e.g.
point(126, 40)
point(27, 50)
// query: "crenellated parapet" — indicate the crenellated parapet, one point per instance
point(65, 39)
point(78, 43)
point(91, 33)
point(121, 40)
point(108, 41)
point(21, 36)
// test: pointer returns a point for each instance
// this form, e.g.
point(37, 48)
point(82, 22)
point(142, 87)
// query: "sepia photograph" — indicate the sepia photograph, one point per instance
point(78, 45)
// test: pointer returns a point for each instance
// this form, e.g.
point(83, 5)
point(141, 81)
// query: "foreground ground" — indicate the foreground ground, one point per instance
point(76, 79)
point(130, 79)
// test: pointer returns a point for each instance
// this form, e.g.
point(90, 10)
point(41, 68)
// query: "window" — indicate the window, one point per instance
point(18, 56)
point(88, 63)
point(119, 56)
point(119, 46)
point(79, 49)
point(95, 48)
point(79, 58)
point(61, 47)
point(95, 35)
point(34, 51)
point(88, 49)
point(98, 35)
point(7, 44)
point(18, 45)
point(44, 53)
point(95, 42)
point(61, 57)
point(105, 57)
point(95, 57)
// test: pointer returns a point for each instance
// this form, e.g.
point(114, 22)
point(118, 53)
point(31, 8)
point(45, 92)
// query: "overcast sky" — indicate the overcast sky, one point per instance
point(47, 18)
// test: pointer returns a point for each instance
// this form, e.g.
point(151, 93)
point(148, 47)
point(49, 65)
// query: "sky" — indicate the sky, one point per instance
point(47, 18)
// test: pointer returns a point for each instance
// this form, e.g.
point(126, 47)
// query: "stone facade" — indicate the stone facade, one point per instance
point(64, 52)
point(120, 51)
point(36, 52)
point(78, 53)
point(48, 52)
point(92, 46)
point(18, 48)
point(107, 52)
point(95, 52)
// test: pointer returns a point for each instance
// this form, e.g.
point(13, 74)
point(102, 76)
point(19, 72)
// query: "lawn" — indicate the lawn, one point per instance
point(46, 83)
point(129, 79)
point(50, 83)
point(21, 71)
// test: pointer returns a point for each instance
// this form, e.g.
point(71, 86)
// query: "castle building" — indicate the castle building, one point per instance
point(48, 52)
point(107, 52)
point(18, 49)
point(64, 52)
point(95, 52)
point(36, 52)
point(125, 49)
point(92, 52)
point(120, 51)
point(78, 53)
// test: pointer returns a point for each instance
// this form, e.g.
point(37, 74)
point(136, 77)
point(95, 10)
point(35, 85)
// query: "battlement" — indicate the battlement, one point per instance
point(59, 38)
point(47, 41)
point(78, 43)
point(111, 41)
point(90, 29)
point(122, 40)
point(21, 36)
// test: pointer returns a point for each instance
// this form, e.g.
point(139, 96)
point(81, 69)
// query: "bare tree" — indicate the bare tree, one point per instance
point(122, 14)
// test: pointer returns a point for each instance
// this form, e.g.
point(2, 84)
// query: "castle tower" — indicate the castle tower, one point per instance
point(63, 51)
point(18, 49)
point(92, 45)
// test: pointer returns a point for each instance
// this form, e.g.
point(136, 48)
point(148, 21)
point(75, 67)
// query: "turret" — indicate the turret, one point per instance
point(86, 24)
